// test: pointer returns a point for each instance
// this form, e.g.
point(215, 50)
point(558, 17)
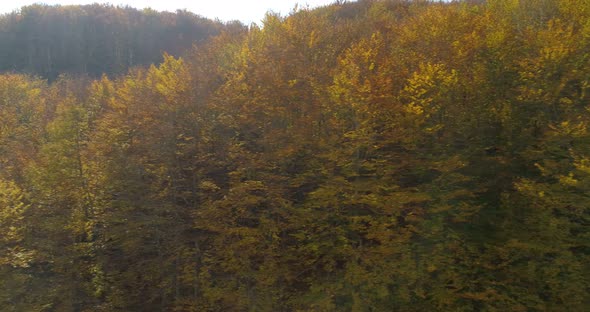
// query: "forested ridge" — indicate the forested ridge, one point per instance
point(365, 156)
point(95, 39)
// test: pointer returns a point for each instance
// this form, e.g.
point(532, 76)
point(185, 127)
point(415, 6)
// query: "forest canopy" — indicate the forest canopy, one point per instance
point(364, 156)
point(95, 39)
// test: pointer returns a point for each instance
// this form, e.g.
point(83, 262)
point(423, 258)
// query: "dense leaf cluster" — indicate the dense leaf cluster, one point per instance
point(366, 156)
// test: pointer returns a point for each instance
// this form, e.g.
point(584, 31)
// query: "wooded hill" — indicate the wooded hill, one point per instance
point(367, 156)
point(95, 39)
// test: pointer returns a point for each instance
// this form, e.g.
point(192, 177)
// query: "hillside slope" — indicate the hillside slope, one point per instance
point(94, 39)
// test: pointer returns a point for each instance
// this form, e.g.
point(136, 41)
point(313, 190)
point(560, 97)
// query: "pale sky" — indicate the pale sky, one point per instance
point(246, 11)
